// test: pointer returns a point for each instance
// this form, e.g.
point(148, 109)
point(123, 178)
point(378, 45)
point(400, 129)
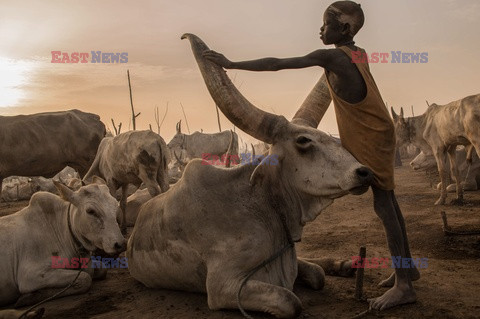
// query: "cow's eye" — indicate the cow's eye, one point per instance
point(91, 212)
point(303, 144)
point(303, 140)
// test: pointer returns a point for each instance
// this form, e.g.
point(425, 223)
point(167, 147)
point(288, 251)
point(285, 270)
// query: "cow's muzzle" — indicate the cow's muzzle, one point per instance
point(120, 247)
point(365, 178)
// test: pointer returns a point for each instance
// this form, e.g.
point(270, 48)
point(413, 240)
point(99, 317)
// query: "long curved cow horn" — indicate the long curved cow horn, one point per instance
point(315, 105)
point(262, 125)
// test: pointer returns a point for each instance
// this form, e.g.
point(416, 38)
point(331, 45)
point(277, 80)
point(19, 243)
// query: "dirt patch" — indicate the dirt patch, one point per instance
point(449, 287)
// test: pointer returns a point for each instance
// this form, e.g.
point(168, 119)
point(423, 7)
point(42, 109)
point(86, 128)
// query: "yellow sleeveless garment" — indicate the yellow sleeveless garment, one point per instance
point(366, 129)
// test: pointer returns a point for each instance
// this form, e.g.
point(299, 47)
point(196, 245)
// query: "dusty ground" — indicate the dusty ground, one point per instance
point(449, 287)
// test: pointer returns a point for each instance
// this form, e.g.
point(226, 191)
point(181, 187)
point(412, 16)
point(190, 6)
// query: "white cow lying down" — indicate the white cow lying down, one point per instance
point(469, 173)
point(67, 227)
point(215, 225)
point(16, 188)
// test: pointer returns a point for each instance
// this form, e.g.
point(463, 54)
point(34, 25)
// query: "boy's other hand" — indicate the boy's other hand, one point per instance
point(217, 58)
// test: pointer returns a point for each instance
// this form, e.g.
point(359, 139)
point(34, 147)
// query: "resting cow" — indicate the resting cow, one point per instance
point(439, 130)
point(216, 225)
point(132, 158)
point(66, 227)
point(43, 144)
point(469, 172)
point(17, 188)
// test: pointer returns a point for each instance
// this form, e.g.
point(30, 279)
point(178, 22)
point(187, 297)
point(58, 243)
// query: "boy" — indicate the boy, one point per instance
point(364, 124)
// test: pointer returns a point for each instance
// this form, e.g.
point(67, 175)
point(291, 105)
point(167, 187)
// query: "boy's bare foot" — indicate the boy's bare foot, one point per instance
point(390, 281)
point(395, 296)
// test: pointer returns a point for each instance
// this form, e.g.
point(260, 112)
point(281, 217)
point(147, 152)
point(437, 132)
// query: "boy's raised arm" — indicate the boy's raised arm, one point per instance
point(322, 58)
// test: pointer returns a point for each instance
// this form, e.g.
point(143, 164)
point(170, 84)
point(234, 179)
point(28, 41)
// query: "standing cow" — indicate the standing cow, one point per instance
point(49, 227)
point(132, 158)
point(43, 144)
point(439, 130)
point(197, 144)
point(216, 225)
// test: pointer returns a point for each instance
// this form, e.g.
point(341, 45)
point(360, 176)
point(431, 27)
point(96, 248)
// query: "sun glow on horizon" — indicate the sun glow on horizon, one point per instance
point(15, 73)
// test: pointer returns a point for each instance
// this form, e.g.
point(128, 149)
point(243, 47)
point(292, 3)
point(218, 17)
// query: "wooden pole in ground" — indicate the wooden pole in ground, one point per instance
point(360, 273)
point(218, 119)
point(163, 119)
point(134, 116)
point(185, 116)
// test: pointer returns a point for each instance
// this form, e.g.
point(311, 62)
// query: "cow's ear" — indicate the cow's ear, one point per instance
point(65, 192)
point(98, 180)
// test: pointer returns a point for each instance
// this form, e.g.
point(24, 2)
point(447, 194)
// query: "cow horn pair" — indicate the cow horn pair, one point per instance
point(262, 125)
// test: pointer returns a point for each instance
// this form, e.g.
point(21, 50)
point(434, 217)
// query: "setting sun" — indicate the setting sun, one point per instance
point(15, 74)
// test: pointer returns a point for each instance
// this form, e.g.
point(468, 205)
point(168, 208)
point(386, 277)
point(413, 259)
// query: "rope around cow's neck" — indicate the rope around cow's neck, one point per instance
point(79, 249)
point(290, 244)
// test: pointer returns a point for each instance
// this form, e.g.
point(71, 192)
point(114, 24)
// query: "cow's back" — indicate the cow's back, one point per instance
point(43, 144)
point(121, 155)
point(215, 144)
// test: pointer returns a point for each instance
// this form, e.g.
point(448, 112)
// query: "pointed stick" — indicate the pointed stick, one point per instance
point(218, 119)
point(360, 272)
point(163, 119)
point(185, 116)
point(134, 116)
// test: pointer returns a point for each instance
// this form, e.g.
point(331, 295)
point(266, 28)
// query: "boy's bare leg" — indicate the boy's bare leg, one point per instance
point(402, 291)
point(413, 272)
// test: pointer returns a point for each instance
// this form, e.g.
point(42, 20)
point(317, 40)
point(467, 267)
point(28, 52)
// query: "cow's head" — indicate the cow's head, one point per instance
point(313, 166)
point(423, 161)
point(177, 165)
point(177, 143)
point(94, 216)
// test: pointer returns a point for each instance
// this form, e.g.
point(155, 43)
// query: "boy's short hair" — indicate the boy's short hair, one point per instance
point(348, 12)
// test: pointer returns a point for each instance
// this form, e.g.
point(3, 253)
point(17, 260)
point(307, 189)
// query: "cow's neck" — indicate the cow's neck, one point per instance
point(78, 246)
point(285, 203)
point(55, 213)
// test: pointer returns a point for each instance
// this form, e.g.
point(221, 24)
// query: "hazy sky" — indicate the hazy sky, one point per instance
point(163, 69)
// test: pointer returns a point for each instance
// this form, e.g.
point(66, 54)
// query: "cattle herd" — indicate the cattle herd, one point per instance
point(225, 231)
